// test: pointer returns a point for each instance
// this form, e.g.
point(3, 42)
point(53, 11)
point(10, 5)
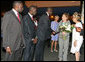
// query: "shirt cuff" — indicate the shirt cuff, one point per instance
point(32, 39)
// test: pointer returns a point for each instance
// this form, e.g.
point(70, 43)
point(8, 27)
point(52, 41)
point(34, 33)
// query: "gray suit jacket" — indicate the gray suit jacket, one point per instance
point(60, 33)
point(12, 31)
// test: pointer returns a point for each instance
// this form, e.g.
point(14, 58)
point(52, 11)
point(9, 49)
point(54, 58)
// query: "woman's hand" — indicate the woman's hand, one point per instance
point(74, 25)
point(53, 32)
point(63, 33)
point(75, 43)
point(78, 29)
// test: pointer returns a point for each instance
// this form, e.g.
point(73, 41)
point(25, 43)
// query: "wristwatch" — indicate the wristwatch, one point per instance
point(8, 47)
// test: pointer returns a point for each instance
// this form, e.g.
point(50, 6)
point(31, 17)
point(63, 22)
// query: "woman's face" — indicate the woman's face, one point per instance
point(74, 19)
point(64, 18)
point(56, 18)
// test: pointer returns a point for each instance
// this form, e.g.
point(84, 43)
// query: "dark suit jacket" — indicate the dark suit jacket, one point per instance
point(43, 31)
point(28, 29)
point(12, 31)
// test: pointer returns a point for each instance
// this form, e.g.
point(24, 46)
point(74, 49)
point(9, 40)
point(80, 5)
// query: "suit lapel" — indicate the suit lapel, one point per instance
point(30, 19)
point(15, 16)
point(30, 22)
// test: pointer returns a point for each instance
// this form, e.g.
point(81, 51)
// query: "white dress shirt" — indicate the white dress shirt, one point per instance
point(15, 12)
point(47, 13)
point(31, 18)
point(30, 15)
point(36, 23)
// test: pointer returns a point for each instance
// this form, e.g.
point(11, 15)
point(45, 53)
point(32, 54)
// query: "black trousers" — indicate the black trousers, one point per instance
point(48, 42)
point(39, 52)
point(28, 54)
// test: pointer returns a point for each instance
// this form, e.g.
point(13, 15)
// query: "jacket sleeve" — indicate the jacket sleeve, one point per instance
point(42, 28)
point(26, 30)
point(9, 32)
point(4, 32)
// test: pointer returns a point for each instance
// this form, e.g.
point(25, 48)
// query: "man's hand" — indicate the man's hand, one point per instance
point(75, 43)
point(35, 40)
point(8, 50)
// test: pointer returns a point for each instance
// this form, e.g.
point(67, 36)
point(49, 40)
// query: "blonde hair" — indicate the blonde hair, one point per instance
point(77, 15)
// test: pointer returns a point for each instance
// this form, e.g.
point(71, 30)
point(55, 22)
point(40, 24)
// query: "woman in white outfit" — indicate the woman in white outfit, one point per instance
point(77, 39)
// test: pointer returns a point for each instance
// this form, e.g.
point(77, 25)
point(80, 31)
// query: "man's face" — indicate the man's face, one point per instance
point(74, 19)
point(20, 8)
point(34, 11)
point(50, 11)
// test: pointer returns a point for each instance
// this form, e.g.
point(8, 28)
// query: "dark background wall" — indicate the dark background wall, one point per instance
point(7, 5)
point(56, 10)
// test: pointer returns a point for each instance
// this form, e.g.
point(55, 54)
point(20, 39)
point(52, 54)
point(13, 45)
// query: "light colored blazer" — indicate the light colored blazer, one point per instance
point(60, 33)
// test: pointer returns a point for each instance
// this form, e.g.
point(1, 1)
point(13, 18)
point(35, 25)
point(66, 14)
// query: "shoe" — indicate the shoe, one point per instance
point(55, 50)
point(52, 51)
point(59, 60)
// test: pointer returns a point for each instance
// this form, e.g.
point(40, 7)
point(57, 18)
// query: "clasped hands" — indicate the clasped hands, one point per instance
point(34, 40)
point(53, 33)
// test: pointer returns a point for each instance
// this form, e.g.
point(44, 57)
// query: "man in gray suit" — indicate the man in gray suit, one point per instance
point(29, 32)
point(13, 40)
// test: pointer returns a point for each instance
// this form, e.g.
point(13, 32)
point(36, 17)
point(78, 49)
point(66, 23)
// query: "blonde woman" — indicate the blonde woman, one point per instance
point(77, 39)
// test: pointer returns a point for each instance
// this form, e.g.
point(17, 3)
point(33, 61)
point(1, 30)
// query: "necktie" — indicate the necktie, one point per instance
point(32, 18)
point(18, 18)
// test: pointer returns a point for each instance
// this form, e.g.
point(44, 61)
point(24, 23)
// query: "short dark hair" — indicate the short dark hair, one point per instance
point(48, 8)
point(32, 7)
point(15, 2)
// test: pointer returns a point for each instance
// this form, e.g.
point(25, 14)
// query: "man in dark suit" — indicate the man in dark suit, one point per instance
point(29, 32)
point(43, 33)
point(13, 40)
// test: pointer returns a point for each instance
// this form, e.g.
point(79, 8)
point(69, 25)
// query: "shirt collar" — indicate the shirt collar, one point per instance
point(47, 13)
point(15, 11)
point(30, 15)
